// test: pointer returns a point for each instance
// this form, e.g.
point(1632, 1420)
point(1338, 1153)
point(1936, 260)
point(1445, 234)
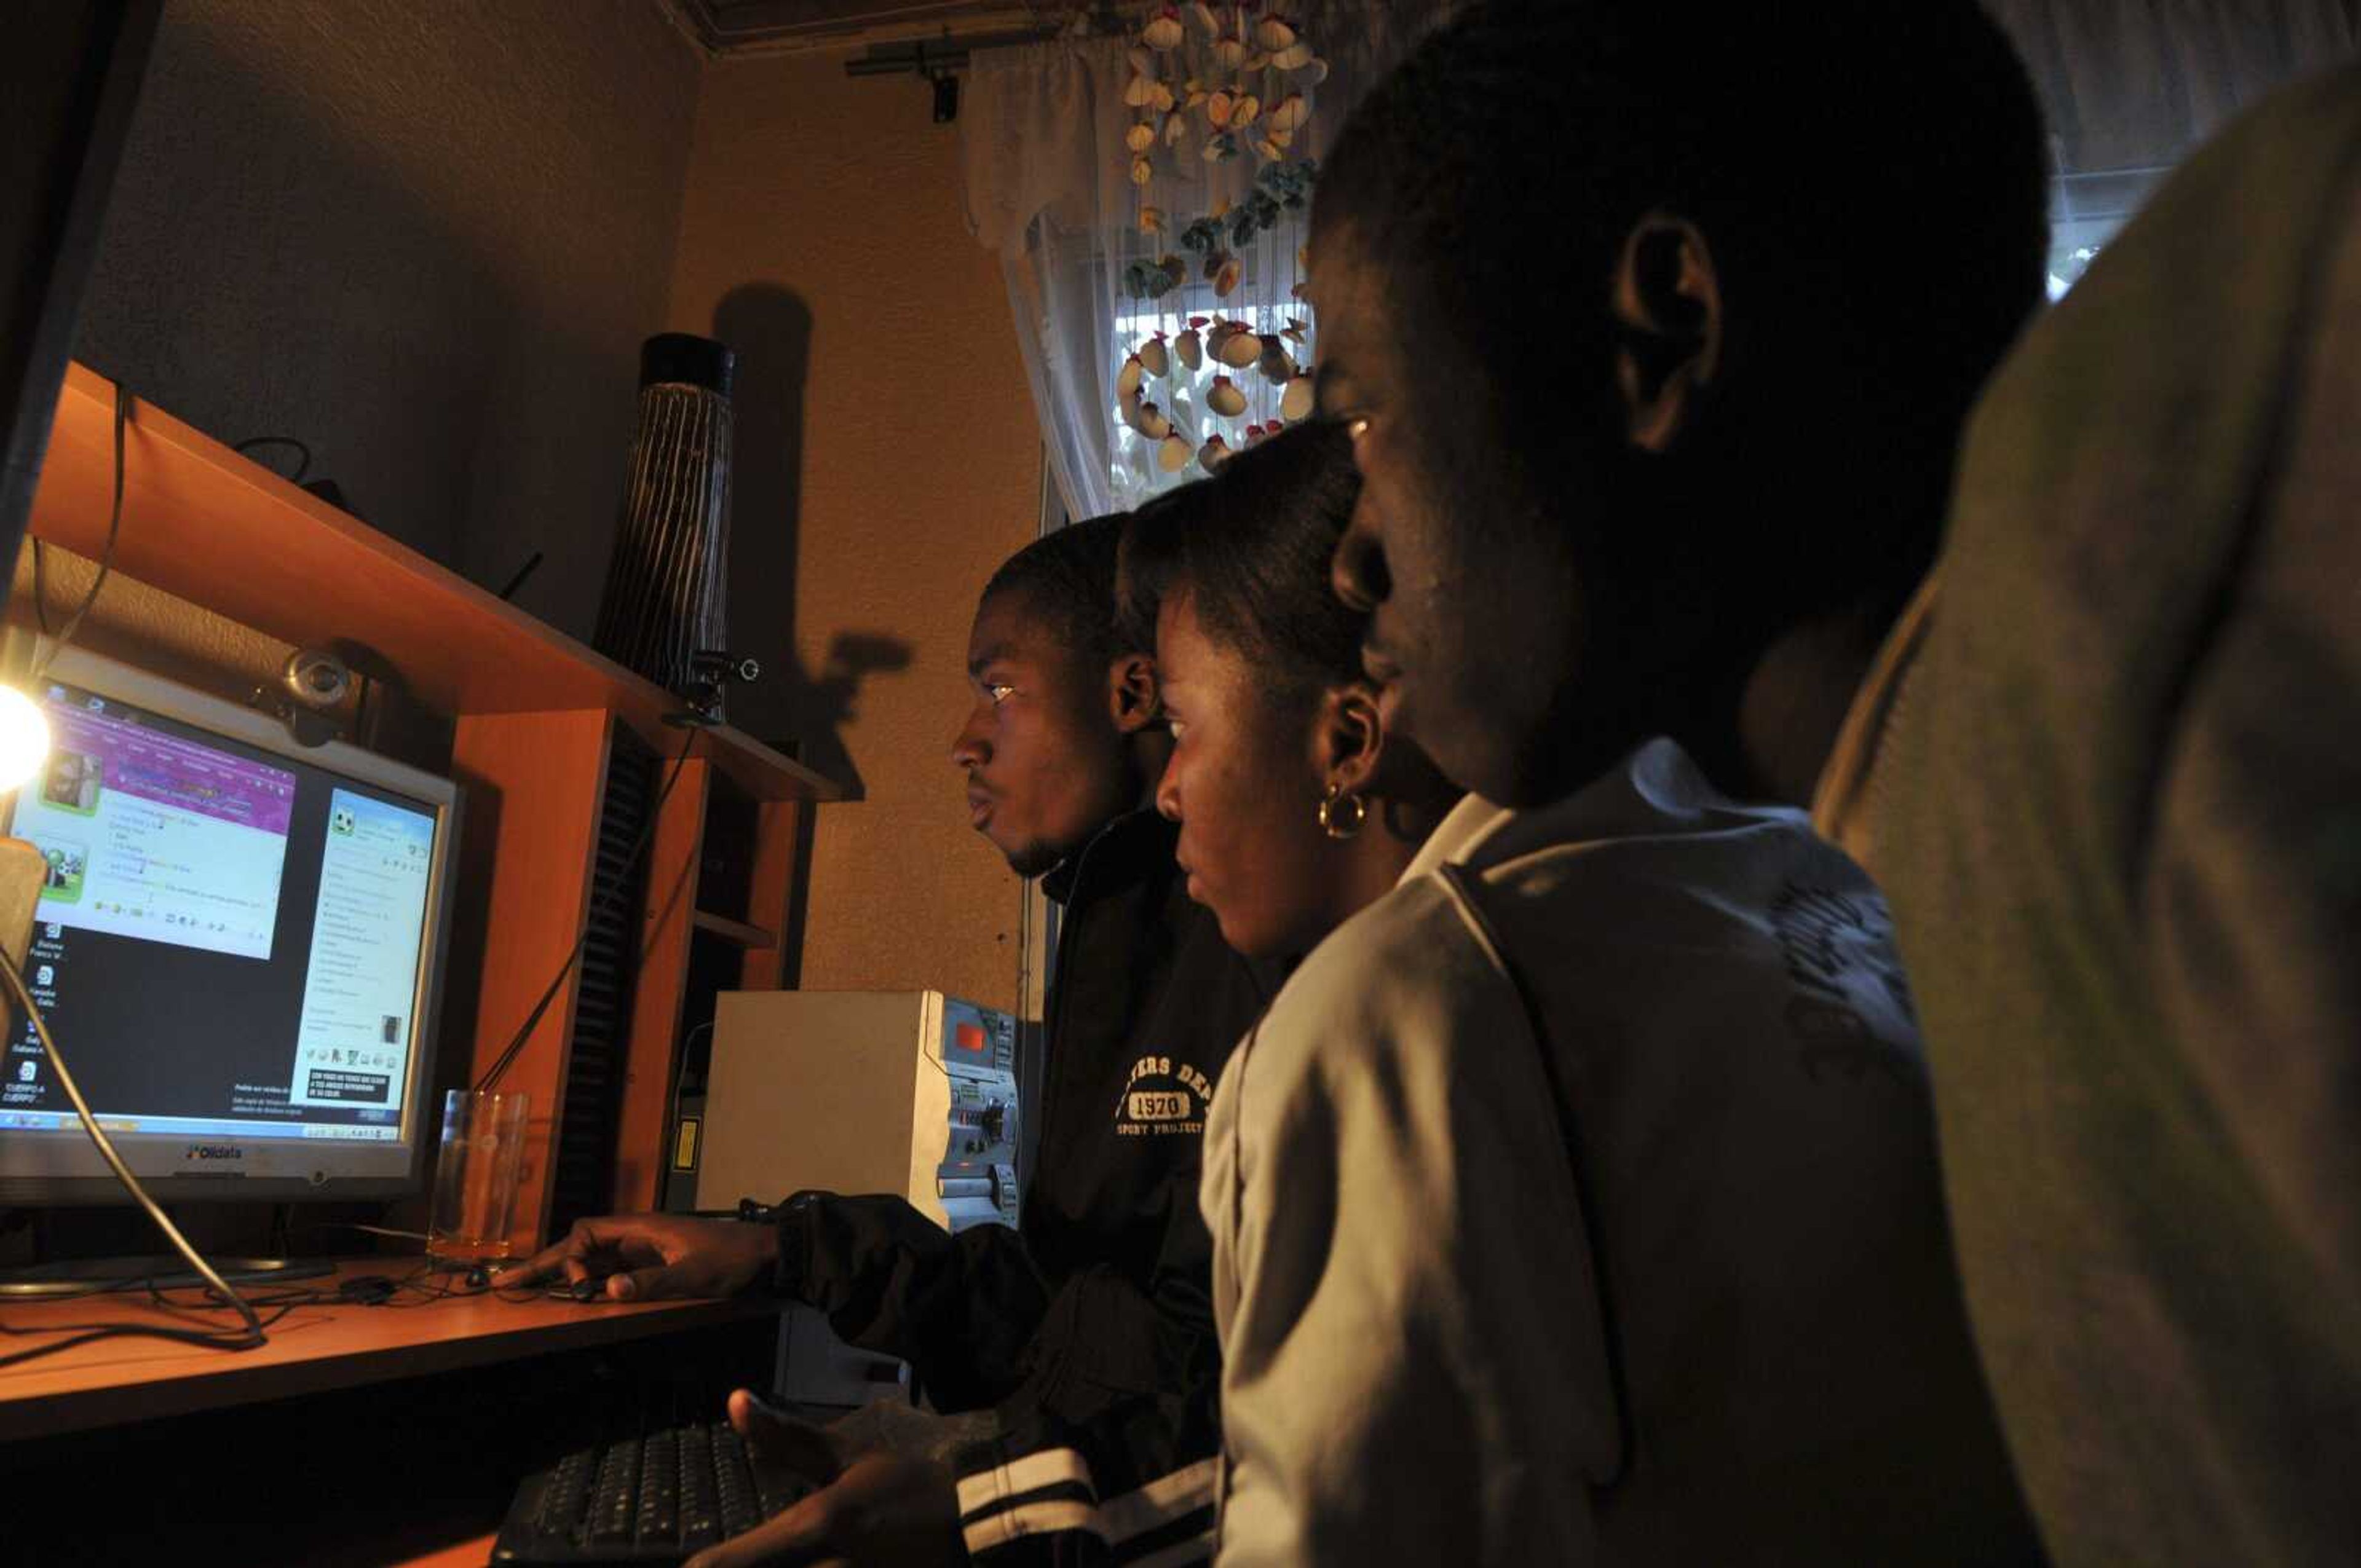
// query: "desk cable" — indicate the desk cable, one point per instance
point(249, 1338)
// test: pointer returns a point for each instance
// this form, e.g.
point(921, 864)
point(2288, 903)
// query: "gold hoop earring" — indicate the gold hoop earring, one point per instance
point(1341, 815)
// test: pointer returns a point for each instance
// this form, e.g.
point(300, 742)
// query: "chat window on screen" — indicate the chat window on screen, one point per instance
point(366, 933)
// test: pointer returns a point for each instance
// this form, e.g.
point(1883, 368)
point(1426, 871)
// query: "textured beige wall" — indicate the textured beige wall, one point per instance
point(888, 460)
point(424, 236)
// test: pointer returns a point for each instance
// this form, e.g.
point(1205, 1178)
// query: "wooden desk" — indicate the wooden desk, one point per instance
point(312, 1350)
point(359, 1437)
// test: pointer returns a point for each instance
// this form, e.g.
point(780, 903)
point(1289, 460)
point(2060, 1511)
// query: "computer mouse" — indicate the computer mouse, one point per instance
point(369, 1290)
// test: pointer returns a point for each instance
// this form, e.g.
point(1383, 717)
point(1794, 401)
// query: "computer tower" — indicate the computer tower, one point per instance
point(910, 1092)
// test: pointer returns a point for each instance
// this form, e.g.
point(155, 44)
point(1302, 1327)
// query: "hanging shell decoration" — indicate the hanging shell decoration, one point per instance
point(1198, 58)
point(1300, 399)
point(1276, 367)
point(1233, 79)
point(1240, 346)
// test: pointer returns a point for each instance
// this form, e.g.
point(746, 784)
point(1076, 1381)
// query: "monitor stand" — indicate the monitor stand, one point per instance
point(167, 1271)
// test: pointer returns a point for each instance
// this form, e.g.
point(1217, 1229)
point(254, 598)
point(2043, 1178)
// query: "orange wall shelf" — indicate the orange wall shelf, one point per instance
point(206, 524)
point(535, 714)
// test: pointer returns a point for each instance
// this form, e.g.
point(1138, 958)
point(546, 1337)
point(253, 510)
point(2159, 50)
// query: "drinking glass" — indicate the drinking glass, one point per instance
point(476, 1172)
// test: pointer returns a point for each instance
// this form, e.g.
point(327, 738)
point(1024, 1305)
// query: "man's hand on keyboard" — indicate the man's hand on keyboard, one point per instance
point(651, 1256)
point(879, 1511)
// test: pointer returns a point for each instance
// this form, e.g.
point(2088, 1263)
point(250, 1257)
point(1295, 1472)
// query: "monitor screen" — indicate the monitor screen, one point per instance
point(236, 948)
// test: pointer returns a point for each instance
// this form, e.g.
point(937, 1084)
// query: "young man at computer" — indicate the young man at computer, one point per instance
point(1095, 1314)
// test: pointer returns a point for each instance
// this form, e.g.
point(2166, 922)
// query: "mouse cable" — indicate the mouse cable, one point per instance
point(599, 911)
point(251, 1337)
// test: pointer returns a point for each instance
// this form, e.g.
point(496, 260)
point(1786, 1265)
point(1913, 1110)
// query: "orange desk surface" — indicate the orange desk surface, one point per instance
point(311, 1350)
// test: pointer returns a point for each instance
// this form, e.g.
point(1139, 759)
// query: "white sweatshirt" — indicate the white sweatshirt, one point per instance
point(1577, 1201)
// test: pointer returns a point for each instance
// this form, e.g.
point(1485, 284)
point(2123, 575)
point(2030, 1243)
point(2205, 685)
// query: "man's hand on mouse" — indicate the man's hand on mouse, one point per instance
point(873, 1510)
point(644, 1257)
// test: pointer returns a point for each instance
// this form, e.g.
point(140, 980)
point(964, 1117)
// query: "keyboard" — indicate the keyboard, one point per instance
point(655, 1499)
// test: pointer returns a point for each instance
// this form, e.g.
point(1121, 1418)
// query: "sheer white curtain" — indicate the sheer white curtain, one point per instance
point(2136, 84)
point(1049, 188)
point(2131, 87)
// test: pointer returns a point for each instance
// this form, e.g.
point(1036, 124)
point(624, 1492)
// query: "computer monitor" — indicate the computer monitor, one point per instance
point(237, 952)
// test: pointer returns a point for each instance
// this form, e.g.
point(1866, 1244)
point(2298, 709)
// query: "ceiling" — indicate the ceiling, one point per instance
point(729, 27)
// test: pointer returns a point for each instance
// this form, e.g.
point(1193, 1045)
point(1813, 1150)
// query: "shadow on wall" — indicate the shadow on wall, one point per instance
point(770, 328)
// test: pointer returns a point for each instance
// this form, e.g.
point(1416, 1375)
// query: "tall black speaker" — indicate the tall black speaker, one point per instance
point(667, 579)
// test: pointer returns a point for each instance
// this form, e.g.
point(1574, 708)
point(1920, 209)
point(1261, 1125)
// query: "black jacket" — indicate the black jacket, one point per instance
point(1095, 1315)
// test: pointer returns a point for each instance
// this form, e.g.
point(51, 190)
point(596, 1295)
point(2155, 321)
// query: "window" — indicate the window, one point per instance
point(2085, 212)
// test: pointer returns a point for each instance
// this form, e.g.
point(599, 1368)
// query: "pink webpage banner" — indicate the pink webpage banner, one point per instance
point(151, 766)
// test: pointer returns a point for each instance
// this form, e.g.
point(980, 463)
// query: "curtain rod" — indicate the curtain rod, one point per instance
point(927, 59)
